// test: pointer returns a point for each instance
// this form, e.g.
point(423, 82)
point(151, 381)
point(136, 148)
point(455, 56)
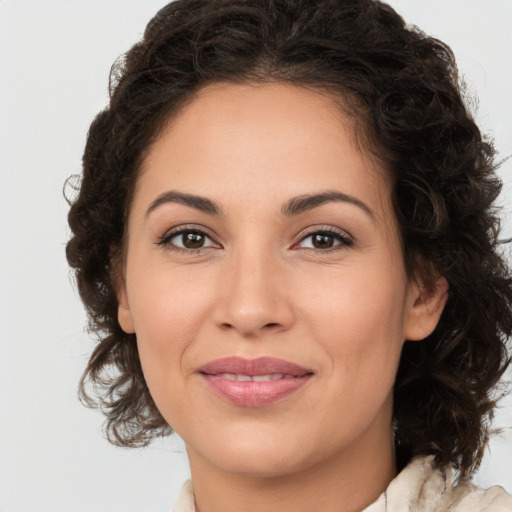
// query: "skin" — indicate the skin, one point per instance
point(260, 287)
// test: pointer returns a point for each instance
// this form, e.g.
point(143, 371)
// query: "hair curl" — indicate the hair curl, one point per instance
point(403, 89)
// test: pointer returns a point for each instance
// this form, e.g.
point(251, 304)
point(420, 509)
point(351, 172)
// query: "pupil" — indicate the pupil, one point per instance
point(323, 241)
point(193, 240)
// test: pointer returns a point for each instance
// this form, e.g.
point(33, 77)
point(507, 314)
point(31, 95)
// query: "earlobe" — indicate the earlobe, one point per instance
point(425, 309)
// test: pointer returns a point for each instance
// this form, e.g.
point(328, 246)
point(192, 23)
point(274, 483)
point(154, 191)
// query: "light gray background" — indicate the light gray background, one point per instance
point(55, 56)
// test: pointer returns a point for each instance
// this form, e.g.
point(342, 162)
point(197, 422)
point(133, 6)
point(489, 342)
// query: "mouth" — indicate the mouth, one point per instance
point(240, 377)
point(254, 382)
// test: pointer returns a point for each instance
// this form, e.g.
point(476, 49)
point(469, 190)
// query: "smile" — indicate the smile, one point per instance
point(254, 382)
point(255, 378)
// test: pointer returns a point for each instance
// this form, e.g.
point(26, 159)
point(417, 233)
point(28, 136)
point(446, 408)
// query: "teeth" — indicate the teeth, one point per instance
point(265, 378)
point(256, 378)
point(229, 376)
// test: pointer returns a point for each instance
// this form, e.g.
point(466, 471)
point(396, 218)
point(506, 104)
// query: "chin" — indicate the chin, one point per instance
point(259, 465)
point(256, 453)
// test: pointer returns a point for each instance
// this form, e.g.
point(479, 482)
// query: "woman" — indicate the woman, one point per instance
point(286, 239)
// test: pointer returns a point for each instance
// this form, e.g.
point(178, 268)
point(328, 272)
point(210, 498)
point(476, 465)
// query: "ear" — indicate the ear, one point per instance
point(425, 306)
point(124, 314)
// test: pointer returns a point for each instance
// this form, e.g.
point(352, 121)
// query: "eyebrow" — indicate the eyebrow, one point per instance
point(199, 203)
point(307, 202)
point(294, 206)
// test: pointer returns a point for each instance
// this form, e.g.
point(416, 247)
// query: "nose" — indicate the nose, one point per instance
point(254, 298)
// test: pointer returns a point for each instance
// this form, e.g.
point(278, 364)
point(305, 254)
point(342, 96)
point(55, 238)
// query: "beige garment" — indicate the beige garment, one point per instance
point(418, 488)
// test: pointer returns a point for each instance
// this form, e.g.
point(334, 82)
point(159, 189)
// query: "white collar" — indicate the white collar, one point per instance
point(420, 487)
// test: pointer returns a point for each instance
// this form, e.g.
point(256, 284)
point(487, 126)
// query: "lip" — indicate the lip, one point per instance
point(288, 378)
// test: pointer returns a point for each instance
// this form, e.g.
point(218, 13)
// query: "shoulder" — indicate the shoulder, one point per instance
point(185, 502)
point(467, 497)
point(423, 487)
point(438, 487)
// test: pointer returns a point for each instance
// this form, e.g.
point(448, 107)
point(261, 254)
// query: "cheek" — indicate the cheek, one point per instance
point(166, 302)
point(167, 315)
point(358, 318)
point(361, 331)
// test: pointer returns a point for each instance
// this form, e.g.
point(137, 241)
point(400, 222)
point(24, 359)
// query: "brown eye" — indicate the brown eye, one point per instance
point(325, 240)
point(193, 240)
point(188, 239)
point(322, 241)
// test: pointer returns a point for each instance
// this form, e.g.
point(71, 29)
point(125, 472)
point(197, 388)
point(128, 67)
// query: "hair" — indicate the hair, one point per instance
point(403, 90)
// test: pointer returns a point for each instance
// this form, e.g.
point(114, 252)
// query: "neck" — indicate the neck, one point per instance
point(348, 481)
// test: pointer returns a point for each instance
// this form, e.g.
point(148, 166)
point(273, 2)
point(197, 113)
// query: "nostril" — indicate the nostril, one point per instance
point(273, 324)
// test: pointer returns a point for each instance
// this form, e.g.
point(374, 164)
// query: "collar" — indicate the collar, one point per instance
point(421, 487)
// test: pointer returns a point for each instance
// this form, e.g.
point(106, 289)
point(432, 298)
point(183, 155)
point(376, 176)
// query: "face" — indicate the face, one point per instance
point(265, 282)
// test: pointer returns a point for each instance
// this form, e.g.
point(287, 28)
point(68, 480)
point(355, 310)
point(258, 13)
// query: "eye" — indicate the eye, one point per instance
point(325, 240)
point(187, 239)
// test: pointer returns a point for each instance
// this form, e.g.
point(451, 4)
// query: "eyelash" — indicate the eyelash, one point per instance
point(339, 236)
point(165, 241)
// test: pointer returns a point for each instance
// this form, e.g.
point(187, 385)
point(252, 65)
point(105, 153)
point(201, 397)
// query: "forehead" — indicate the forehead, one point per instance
point(266, 140)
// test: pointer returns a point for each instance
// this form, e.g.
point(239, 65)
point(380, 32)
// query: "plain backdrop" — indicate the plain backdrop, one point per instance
point(55, 57)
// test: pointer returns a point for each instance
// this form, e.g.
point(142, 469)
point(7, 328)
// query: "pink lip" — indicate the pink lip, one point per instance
point(254, 393)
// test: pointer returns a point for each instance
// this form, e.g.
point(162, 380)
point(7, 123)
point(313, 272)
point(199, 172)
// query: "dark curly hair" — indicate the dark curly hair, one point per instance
point(403, 91)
